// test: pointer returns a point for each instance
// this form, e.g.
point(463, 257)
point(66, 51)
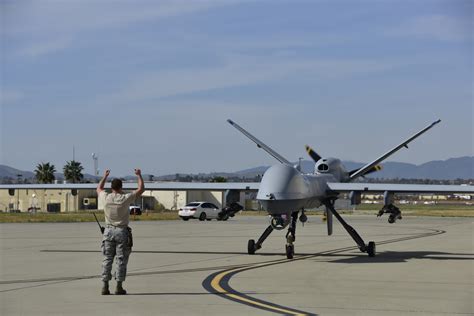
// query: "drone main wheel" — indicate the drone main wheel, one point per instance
point(251, 247)
point(371, 249)
point(290, 251)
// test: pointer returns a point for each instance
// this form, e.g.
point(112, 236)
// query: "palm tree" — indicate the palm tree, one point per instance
point(73, 171)
point(45, 172)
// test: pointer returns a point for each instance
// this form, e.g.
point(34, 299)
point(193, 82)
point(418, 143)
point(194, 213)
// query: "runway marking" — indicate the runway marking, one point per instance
point(218, 282)
point(218, 277)
point(85, 277)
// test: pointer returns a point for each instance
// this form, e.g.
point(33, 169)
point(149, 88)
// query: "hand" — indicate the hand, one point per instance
point(138, 172)
point(106, 173)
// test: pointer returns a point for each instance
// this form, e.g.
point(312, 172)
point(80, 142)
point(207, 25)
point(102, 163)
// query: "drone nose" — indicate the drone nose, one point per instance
point(281, 187)
point(282, 182)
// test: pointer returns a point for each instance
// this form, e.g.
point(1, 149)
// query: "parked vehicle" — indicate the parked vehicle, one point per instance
point(135, 210)
point(200, 210)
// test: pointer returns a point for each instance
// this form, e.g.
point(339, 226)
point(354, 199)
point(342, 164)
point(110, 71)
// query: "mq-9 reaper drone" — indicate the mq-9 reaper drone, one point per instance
point(285, 191)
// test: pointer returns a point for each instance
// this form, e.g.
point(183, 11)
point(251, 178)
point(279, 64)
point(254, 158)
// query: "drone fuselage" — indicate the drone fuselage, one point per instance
point(285, 189)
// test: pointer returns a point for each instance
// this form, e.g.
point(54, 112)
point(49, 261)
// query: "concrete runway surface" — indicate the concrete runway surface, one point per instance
point(424, 266)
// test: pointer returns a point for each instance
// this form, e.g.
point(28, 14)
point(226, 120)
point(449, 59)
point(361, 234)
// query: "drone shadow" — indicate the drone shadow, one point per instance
point(173, 252)
point(394, 256)
point(341, 257)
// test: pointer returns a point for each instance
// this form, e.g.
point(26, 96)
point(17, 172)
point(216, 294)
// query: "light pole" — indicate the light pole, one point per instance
point(18, 195)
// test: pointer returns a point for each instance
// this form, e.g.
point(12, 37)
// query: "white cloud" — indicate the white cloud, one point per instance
point(8, 97)
point(285, 41)
point(75, 16)
point(54, 21)
point(438, 27)
point(44, 47)
point(238, 71)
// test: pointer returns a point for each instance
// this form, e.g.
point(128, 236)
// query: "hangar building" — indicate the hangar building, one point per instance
point(158, 195)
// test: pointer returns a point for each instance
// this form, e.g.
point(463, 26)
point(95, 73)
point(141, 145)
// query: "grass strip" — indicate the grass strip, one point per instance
point(77, 217)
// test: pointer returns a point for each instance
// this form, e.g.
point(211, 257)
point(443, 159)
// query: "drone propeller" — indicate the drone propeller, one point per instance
point(312, 153)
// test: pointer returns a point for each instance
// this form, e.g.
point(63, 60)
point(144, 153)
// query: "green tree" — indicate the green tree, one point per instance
point(219, 179)
point(44, 172)
point(73, 171)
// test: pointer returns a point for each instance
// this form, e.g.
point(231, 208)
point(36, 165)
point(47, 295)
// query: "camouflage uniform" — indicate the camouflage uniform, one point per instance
point(117, 239)
point(115, 243)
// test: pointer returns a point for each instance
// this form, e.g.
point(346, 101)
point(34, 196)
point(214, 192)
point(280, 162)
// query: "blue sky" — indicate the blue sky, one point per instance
point(150, 84)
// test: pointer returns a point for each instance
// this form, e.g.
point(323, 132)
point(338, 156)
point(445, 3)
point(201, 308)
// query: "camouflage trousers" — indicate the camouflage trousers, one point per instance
point(116, 242)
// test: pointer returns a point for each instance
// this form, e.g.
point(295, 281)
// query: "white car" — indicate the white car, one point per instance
point(135, 210)
point(201, 210)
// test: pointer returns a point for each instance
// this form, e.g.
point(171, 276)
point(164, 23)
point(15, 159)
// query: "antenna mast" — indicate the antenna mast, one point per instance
point(95, 158)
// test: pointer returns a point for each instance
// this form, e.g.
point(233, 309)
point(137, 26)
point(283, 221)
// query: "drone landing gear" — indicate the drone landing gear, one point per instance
point(252, 246)
point(291, 236)
point(369, 248)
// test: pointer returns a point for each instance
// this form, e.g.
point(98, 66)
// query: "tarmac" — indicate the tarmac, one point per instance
point(423, 266)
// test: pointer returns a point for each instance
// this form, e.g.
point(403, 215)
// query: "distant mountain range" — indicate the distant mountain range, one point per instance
point(450, 169)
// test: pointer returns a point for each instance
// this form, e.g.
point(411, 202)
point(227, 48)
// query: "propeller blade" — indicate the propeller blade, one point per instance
point(373, 169)
point(312, 153)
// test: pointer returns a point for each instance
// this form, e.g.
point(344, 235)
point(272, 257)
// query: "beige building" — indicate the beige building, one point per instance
point(81, 197)
point(43, 200)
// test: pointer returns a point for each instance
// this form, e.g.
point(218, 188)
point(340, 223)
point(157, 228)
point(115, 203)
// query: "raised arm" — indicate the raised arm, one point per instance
point(141, 185)
point(100, 186)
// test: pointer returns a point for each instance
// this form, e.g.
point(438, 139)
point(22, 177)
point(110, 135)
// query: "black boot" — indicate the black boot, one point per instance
point(105, 288)
point(119, 290)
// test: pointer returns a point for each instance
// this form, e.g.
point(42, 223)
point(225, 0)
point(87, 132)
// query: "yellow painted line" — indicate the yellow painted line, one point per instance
point(215, 284)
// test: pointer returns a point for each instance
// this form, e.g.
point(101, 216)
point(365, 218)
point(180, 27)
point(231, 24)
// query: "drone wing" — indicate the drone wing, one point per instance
point(370, 166)
point(260, 144)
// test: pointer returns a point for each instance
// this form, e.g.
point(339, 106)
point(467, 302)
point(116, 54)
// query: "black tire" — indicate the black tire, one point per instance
point(290, 251)
point(202, 217)
point(208, 219)
point(185, 218)
point(371, 249)
point(251, 247)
